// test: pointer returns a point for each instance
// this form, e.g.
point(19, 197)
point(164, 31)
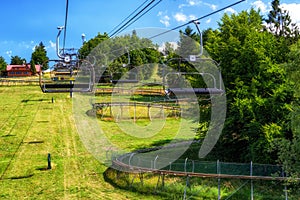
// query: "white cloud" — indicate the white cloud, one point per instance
point(190, 3)
point(208, 21)
point(193, 3)
point(260, 5)
point(212, 6)
point(173, 45)
point(165, 20)
point(192, 17)
point(294, 11)
point(231, 10)
point(180, 17)
point(52, 44)
point(9, 53)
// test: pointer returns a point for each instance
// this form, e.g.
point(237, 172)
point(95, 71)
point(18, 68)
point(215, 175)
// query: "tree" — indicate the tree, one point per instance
point(39, 56)
point(288, 148)
point(258, 91)
point(32, 67)
point(88, 46)
point(279, 22)
point(3, 65)
point(16, 60)
point(120, 55)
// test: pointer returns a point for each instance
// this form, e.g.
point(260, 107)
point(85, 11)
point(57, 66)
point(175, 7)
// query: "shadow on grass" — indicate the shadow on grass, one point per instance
point(155, 144)
point(20, 177)
point(134, 183)
point(34, 142)
point(3, 136)
point(34, 100)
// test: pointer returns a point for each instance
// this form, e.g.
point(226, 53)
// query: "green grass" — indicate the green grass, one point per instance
point(31, 126)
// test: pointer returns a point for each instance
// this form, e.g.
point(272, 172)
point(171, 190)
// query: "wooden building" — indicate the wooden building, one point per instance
point(21, 70)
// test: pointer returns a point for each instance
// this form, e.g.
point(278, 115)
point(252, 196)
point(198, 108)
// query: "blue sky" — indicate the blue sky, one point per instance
point(26, 23)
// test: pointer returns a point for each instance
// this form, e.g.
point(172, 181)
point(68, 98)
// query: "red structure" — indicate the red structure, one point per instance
point(21, 70)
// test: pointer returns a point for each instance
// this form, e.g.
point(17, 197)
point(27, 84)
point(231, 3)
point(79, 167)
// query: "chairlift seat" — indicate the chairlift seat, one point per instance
point(60, 88)
point(189, 91)
point(124, 81)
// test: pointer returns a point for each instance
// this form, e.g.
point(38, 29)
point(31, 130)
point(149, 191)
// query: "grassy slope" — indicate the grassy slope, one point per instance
point(32, 127)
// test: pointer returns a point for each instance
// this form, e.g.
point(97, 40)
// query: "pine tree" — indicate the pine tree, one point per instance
point(280, 24)
point(39, 56)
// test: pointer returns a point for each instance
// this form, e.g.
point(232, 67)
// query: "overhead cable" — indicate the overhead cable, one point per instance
point(140, 16)
point(192, 21)
point(65, 27)
point(132, 18)
point(127, 17)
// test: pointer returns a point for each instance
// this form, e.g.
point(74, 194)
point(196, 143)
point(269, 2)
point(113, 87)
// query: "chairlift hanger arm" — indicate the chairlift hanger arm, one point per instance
point(60, 28)
point(201, 38)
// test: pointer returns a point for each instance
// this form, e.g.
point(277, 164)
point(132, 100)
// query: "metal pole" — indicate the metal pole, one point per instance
point(219, 180)
point(285, 187)
point(193, 166)
point(185, 164)
point(131, 155)
point(155, 161)
point(71, 89)
point(285, 191)
point(251, 173)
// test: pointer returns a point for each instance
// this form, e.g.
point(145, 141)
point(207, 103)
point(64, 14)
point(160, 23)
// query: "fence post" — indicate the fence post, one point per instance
point(251, 174)
point(219, 180)
point(121, 108)
point(155, 162)
point(149, 114)
point(285, 187)
point(134, 112)
point(130, 159)
point(193, 170)
point(185, 164)
point(161, 111)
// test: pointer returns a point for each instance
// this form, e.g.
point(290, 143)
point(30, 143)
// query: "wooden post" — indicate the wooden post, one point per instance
point(134, 112)
point(162, 111)
point(121, 107)
point(149, 115)
point(110, 111)
point(49, 161)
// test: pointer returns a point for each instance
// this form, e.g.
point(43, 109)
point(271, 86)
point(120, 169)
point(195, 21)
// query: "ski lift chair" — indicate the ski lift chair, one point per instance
point(214, 90)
